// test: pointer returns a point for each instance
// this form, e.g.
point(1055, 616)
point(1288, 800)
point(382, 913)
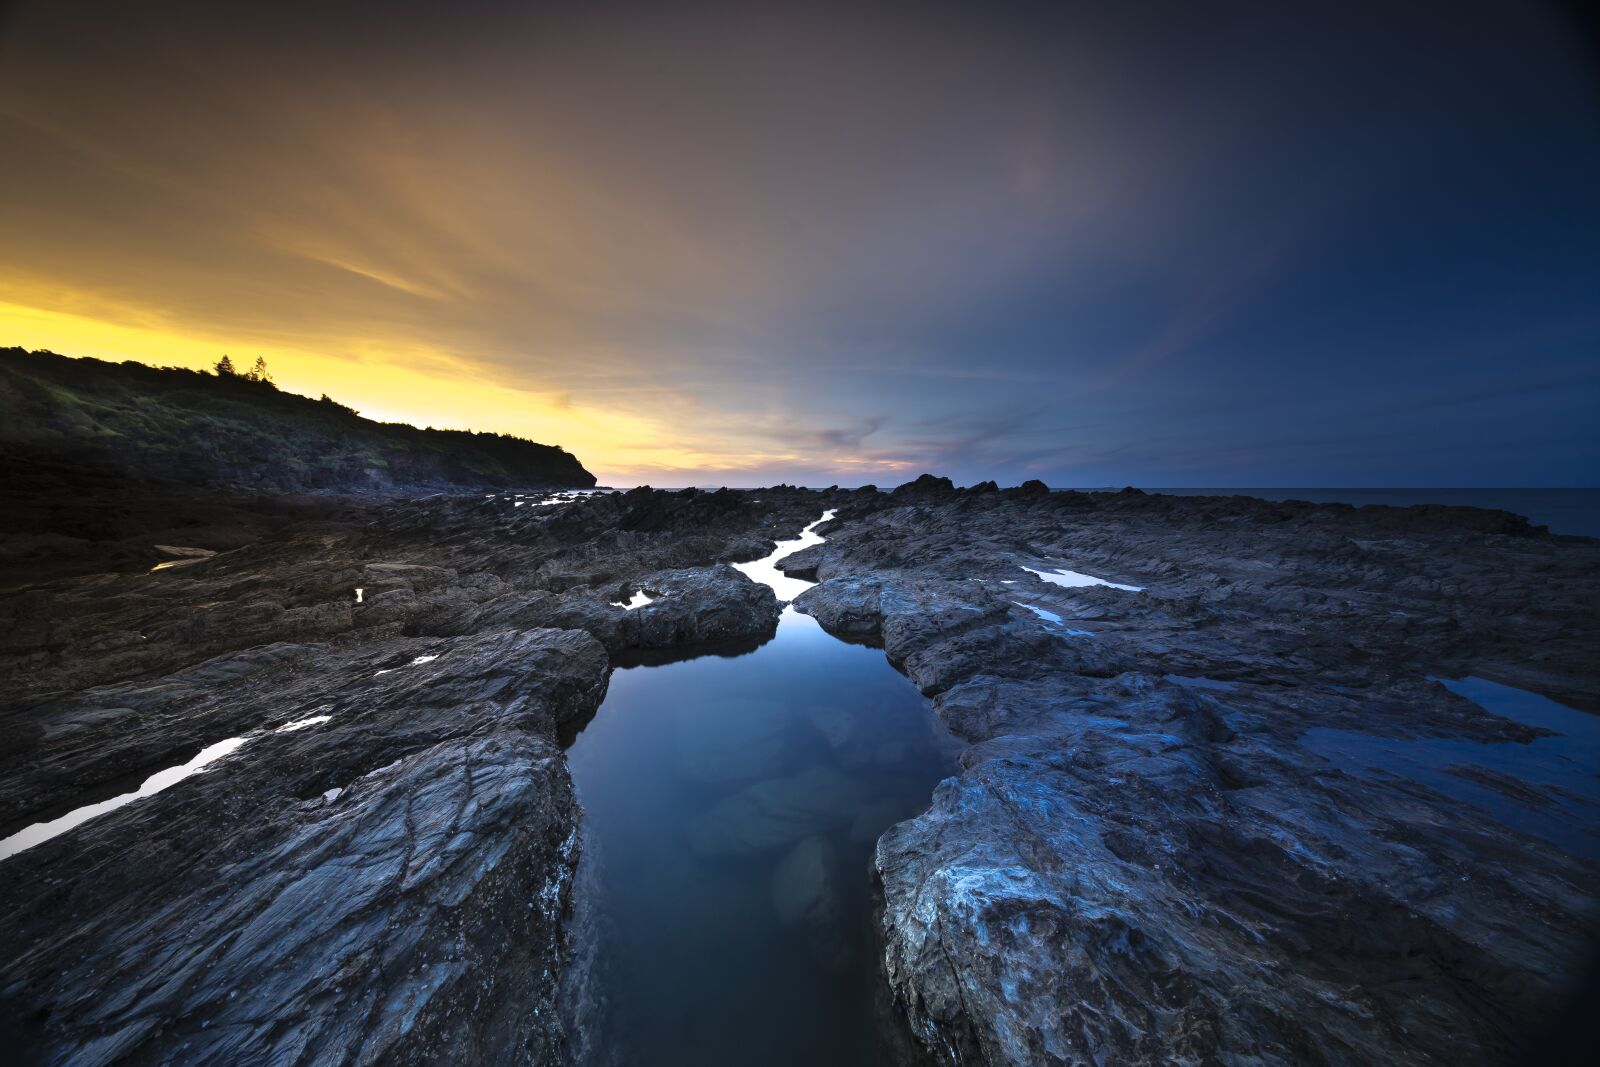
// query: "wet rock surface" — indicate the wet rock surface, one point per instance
point(1144, 858)
point(350, 888)
point(380, 866)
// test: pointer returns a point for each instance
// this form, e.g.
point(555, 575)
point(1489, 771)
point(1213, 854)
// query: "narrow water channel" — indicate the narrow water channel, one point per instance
point(731, 807)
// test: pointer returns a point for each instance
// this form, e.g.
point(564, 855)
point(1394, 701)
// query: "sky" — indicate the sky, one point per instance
point(1160, 244)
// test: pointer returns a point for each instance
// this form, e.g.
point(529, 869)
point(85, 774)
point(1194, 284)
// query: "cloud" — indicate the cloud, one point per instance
point(779, 239)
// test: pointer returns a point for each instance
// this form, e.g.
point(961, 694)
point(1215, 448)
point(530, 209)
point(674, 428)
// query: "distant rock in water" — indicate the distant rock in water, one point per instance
point(83, 423)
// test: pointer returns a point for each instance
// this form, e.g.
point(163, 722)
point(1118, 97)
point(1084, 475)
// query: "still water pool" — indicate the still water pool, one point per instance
point(731, 807)
point(1554, 780)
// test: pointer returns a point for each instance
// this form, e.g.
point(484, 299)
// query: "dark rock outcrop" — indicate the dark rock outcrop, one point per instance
point(380, 866)
point(1146, 858)
point(356, 888)
point(924, 485)
point(84, 424)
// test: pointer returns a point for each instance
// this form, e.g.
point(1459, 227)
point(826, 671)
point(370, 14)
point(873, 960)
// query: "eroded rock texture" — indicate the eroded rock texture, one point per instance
point(1150, 853)
point(379, 869)
point(1146, 857)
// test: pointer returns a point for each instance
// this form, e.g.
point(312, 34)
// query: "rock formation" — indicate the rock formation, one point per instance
point(1144, 858)
point(379, 867)
point(1153, 851)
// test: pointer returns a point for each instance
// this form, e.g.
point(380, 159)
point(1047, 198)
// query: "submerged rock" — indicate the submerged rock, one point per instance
point(805, 895)
point(871, 821)
point(836, 726)
point(777, 812)
point(741, 744)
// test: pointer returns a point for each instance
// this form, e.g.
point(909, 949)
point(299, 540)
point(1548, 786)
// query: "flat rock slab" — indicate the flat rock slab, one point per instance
point(1138, 867)
point(386, 885)
point(379, 869)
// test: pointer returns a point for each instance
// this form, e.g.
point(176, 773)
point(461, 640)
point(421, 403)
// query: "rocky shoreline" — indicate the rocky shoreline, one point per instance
point(1142, 860)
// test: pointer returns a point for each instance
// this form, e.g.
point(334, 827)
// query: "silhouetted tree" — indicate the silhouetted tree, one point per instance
point(225, 366)
point(258, 373)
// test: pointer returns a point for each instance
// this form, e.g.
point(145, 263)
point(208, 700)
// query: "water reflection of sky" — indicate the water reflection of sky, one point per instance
point(763, 570)
point(1053, 619)
point(1078, 580)
point(707, 784)
point(40, 832)
point(1563, 769)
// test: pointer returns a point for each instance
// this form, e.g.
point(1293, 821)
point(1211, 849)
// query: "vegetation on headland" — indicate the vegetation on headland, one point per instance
point(175, 427)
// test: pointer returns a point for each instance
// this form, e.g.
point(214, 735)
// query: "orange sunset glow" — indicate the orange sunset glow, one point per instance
point(743, 243)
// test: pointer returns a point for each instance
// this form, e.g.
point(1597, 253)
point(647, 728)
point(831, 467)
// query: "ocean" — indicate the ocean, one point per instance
point(1564, 511)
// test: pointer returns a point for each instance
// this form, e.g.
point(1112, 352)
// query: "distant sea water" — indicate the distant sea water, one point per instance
point(1564, 511)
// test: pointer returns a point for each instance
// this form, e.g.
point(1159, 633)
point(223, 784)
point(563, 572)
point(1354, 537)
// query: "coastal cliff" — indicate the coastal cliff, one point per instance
point(85, 424)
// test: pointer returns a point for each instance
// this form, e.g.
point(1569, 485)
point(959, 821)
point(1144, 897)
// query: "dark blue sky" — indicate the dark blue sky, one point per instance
point(1166, 244)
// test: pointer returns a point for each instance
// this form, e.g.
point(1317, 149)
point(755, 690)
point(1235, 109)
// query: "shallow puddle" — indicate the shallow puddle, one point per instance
point(1549, 787)
point(40, 832)
point(1047, 616)
point(763, 571)
point(731, 808)
point(1077, 580)
point(1054, 620)
point(417, 662)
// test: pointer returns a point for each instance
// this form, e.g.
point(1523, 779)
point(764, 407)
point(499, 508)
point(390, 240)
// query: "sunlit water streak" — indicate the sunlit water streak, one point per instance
point(1077, 580)
point(763, 570)
point(419, 661)
point(41, 832)
point(564, 496)
point(301, 724)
